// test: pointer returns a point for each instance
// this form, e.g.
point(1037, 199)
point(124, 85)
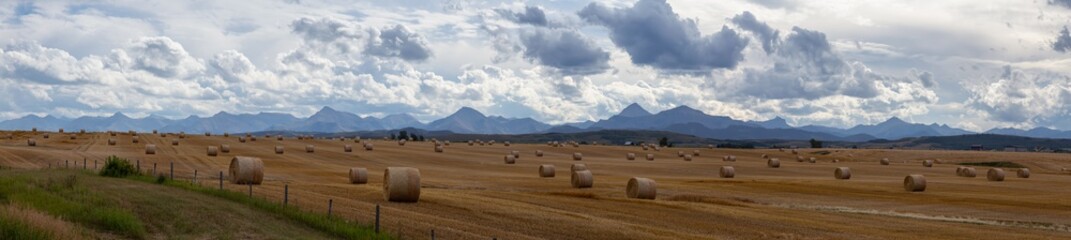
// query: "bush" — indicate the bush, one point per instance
point(118, 167)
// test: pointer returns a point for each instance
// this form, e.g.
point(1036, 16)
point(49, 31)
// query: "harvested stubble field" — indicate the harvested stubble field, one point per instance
point(469, 193)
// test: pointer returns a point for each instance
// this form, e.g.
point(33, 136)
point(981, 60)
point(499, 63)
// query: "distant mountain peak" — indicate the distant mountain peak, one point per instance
point(119, 115)
point(895, 120)
point(634, 110)
point(467, 111)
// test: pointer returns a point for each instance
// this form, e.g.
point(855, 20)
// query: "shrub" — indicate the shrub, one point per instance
point(118, 167)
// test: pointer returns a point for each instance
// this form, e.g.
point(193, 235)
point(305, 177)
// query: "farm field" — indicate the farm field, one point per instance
point(468, 192)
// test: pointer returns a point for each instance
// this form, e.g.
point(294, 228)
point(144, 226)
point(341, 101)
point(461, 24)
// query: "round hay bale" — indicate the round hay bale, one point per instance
point(843, 173)
point(836, 160)
point(246, 170)
point(959, 171)
point(182, 135)
point(812, 160)
point(368, 146)
point(471, 143)
point(279, 138)
point(31, 142)
point(968, 172)
point(34, 130)
point(539, 153)
point(650, 157)
point(727, 172)
point(439, 149)
point(995, 174)
point(150, 149)
point(213, 151)
point(688, 158)
point(241, 139)
point(82, 131)
point(401, 184)
point(252, 138)
point(645, 147)
point(577, 156)
point(111, 142)
point(582, 179)
point(630, 156)
point(358, 175)
point(884, 161)
point(578, 167)
point(401, 142)
point(111, 133)
point(695, 153)
point(73, 137)
point(680, 153)
point(46, 136)
point(154, 131)
point(710, 146)
point(641, 188)
point(279, 150)
point(347, 148)
point(60, 130)
point(515, 153)
point(509, 159)
point(174, 142)
point(1023, 173)
point(773, 163)
point(799, 158)
point(546, 170)
point(506, 143)
point(795, 152)
point(310, 148)
point(208, 134)
point(764, 156)
point(927, 163)
point(729, 158)
point(915, 183)
point(224, 148)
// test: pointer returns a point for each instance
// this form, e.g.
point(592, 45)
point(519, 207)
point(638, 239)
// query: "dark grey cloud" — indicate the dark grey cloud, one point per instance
point(1063, 41)
point(654, 35)
point(565, 50)
point(396, 41)
point(532, 15)
point(769, 36)
point(1062, 3)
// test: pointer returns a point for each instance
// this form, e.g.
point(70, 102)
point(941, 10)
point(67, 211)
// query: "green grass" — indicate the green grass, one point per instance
point(335, 226)
point(1002, 164)
point(65, 196)
point(11, 228)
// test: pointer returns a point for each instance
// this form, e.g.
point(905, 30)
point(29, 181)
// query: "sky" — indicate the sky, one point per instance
point(975, 65)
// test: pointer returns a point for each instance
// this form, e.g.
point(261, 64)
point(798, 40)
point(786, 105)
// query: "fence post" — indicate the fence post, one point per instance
point(433, 234)
point(377, 218)
point(330, 204)
point(250, 189)
point(220, 180)
point(66, 163)
point(195, 177)
point(84, 161)
point(139, 166)
point(154, 169)
point(95, 164)
point(172, 171)
point(286, 194)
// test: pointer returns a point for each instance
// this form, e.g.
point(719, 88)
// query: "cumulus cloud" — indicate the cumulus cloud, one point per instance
point(1063, 41)
point(769, 36)
point(531, 15)
point(161, 56)
point(559, 46)
point(654, 35)
point(1023, 99)
point(348, 38)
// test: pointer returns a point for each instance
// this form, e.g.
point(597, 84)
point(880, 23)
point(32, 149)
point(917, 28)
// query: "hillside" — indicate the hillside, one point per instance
point(69, 204)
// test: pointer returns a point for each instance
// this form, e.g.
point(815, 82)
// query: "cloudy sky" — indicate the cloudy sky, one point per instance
point(970, 64)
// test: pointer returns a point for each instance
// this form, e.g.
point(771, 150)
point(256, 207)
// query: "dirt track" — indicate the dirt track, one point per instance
point(469, 193)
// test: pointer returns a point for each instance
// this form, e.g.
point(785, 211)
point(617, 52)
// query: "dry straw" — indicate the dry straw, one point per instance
point(578, 167)
point(927, 163)
point(546, 170)
point(812, 160)
point(1023, 173)
point(630, 156)
point(641, 188)
point(577, 156)
point(506, 143)
point(884, 161)
point(915, 183)
point(995, 174)
point(246, 170)
point(680, 153)
point(650, 157)
point(347, 148)
point(401, 184)
point(368, 146)
point(31, 142)
point(539, 153)
point(688, 158)
point(695, 153)
point(773, 163)
point(358, 175)
point(150, 149)
point(174, 142)
point(111, 142)
point(582, 179)
point(224, 148)
point(515, 153)
point(843, 173)
point(310, 148)
point(509, 159)
point(401, 142)
point(966, 172)
point(279, 150)
point(213, 151)
point(727, 172)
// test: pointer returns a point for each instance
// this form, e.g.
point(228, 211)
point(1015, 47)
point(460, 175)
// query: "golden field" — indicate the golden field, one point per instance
point(469, 193)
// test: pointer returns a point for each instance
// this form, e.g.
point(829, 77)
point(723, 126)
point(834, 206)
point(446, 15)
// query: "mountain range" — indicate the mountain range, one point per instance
point(682, 119)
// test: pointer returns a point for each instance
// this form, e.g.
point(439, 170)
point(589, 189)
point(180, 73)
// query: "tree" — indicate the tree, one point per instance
point(663, 142)
point(403, 135)
point(421, 138)
point(816, 143)
point(392, 136)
